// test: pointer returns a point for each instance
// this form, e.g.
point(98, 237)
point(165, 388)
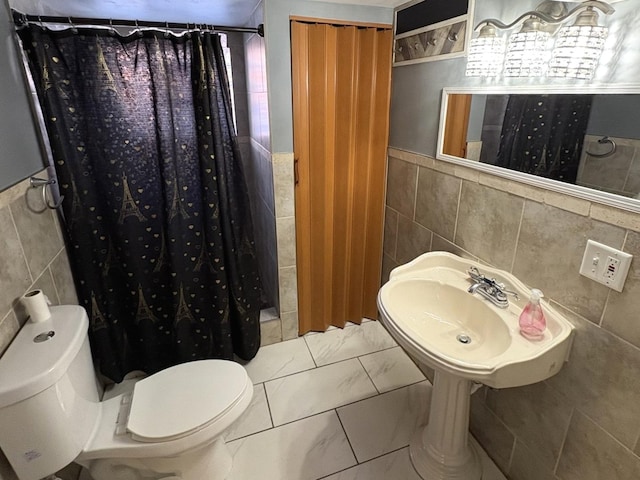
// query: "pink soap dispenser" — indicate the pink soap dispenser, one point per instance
point(532, 321)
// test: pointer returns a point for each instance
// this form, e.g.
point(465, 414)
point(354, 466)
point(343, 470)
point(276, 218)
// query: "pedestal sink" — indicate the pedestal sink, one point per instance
point(465, 338)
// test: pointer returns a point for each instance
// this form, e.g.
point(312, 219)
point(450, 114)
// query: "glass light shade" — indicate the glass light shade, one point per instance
point(577, 51)
point(528, 54)
point(485, 57)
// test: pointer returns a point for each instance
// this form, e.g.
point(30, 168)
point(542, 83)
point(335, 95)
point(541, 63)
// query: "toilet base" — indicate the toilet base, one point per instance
point(212, 461)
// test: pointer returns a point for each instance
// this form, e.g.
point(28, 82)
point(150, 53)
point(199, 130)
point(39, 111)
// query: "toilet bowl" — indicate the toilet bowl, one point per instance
point(166, 426)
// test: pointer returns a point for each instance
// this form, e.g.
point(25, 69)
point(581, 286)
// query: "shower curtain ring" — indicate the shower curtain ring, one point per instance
point(166, 32)
point(112, 30)
point(73, 27)
point(43, 182)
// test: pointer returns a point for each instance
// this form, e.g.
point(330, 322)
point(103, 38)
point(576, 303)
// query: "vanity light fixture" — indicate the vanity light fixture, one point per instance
point(486, 54)
point(529, 52)
point(578, 47)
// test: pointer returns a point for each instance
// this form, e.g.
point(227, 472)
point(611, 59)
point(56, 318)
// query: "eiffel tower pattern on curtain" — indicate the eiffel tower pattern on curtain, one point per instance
point(156, 208)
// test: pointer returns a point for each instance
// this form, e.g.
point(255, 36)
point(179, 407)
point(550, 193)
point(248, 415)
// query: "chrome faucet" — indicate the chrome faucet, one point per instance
point(489, 288)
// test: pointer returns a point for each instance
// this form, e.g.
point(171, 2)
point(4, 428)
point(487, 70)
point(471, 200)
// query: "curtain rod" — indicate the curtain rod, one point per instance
point(21, 19)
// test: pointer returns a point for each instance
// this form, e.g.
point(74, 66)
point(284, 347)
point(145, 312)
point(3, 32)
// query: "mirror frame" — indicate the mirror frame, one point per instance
point(585, 193)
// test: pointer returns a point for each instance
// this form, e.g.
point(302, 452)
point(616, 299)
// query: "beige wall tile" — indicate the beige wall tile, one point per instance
point(439, 244)
point(526, 465)
point(616, 216)
point(496, 439)
point(437, 202)
point(388, 264)
point(288, 289)
point(63, 280)
point(283, 185)
point(9, 327)
point(467, 173)
point(509, 186)
point(286, 234)
point(38, 235)
point(621, 312)
point(411, 157)
point(537, 414)
point(289, 325)
point(445, 167)
point(567, 202)
point(270, 332)
point(15, 277)
point(11, 194)
point(488, 222)
point(413, 240)
point(601, 379)
point(610, 174)
point(590, 453)
point(390, 232)
point(549, 254)
point(401, 186)
point(45, 283)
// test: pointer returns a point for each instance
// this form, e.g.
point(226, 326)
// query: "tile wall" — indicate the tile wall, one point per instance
point(616, 173)
point(271, 180)
point(32, 256)
point(581, 424)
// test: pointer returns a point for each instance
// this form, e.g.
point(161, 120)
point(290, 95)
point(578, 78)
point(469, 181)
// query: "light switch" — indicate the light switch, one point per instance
point(605, 265)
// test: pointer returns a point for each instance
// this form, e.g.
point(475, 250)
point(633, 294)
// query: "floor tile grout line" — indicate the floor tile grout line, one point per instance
point(313, 359)
point(348, 439)
point(332, 408)
point(285, 424)
point(370, 378)
point(358, 355)
point(367, 461)
point(354, 402)
point(266, 398)
point(286, 375)
point(303, 371)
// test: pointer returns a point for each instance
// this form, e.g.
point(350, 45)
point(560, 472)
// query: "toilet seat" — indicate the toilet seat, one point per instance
point(183, 399)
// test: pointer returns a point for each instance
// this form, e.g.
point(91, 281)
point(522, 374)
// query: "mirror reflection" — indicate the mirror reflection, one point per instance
point(592, 140)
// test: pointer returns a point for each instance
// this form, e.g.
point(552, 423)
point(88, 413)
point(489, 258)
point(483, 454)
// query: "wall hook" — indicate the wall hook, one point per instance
point(43, 182)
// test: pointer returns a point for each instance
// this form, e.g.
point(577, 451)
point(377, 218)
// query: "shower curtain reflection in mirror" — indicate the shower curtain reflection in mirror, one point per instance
point(156, 210)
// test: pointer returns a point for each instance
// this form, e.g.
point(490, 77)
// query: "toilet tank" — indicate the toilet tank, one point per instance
point(49, 404)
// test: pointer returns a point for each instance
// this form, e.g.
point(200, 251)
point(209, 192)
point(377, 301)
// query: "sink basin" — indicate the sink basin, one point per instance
point(427, 308)
point(448, 321)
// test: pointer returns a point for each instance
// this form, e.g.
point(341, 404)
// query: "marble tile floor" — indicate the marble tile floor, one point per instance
point(339, 405)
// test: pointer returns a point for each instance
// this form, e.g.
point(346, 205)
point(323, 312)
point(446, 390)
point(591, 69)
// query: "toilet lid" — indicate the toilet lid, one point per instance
point(179, 400)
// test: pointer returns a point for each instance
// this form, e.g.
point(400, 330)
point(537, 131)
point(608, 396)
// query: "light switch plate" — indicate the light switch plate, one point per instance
point(605, 265)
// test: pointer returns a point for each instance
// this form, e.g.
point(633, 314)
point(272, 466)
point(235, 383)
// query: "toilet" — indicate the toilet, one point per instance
point(165, 426)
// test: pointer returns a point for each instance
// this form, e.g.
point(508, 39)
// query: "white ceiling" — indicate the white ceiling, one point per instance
point(216, 12)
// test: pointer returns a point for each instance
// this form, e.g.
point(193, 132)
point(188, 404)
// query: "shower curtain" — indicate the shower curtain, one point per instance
point(156, 211)
point(543, 134)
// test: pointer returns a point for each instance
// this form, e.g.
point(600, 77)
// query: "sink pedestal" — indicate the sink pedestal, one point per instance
point(442, 450)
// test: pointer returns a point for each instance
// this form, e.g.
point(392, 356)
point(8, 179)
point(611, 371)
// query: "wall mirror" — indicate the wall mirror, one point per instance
point(584, 143)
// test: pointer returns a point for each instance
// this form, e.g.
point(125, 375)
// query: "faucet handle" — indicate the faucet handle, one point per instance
point(509, 292)
point(478, 277)
point(475, 274)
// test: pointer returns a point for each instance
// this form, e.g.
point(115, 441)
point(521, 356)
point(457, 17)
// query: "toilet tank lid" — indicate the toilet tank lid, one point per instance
point(29, 367)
